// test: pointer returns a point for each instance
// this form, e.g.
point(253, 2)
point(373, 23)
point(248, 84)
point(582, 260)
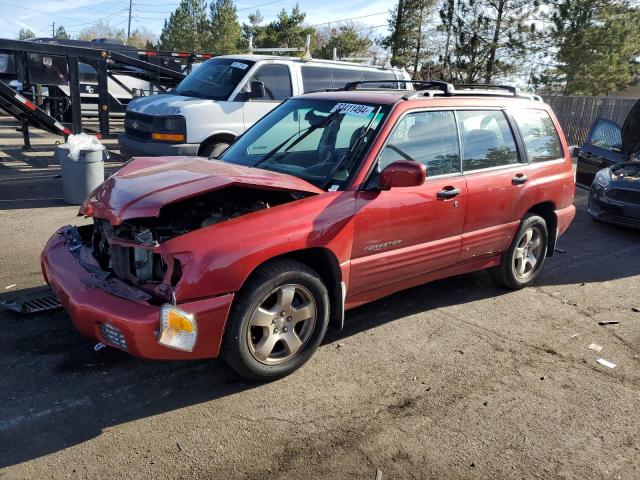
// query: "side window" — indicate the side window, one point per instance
point(368, 75)
point(487, 140)
point(315, 78)
point(342, 76)
point(276, 79)
point(430, 138)
point(539, 134)
point(606, 135)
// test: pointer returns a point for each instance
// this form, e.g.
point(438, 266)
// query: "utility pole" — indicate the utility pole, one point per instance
point(129, 25)
point(53, 30)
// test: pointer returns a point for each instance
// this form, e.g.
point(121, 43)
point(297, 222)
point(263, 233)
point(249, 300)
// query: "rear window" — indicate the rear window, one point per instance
point(540, 137)
point(487, 140)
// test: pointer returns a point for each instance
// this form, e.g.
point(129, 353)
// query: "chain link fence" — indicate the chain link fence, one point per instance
point(577, 114)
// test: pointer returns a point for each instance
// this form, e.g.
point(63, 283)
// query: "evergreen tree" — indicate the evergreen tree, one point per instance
point(597, 43)
point(187, 28)
point(286, 31)
point(225, 29)
point(61, 33)
point(347, 41)
point(25, 34)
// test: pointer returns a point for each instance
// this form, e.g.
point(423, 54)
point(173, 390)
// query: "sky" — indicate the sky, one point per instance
point(75, 15)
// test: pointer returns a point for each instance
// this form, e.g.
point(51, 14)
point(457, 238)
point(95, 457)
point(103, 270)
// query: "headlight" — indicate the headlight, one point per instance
point(169, 129)
point(178, 329)
point(603, 177)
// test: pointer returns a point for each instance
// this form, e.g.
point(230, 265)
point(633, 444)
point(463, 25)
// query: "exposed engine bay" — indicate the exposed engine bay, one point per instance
point(111, 245)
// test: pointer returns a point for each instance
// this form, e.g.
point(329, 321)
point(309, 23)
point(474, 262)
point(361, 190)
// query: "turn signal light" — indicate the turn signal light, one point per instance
point(178, 329)
point(168, 137)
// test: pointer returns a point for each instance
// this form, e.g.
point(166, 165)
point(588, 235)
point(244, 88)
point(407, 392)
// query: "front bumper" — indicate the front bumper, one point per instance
point(97, 314)
point(602, 208)
point(131, 147)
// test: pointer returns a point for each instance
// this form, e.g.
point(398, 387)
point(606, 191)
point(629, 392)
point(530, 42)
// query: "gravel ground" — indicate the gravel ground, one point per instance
point(454, 379)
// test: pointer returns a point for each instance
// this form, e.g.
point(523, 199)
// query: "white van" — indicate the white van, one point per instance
point(225, 96)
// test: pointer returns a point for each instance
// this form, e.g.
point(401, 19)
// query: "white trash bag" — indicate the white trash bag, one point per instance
point(82, 142)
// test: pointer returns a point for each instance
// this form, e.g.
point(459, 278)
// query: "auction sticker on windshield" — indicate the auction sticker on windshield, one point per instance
point(353, 109)
point(241, 66)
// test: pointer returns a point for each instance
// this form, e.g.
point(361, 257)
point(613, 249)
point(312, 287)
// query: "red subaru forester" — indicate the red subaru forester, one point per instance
point(330, 201)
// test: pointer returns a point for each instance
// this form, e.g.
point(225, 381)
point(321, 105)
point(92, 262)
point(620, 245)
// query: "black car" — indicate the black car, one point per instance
point(609, 164)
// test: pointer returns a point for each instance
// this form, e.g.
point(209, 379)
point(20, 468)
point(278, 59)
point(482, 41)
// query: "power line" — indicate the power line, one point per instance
point(347, 19)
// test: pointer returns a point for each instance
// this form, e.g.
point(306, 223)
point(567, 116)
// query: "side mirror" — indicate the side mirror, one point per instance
point(402, 173)
point(257, 90)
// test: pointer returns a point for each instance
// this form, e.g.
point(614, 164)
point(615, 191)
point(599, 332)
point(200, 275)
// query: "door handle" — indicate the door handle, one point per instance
point(448, 192)
point(519, 179)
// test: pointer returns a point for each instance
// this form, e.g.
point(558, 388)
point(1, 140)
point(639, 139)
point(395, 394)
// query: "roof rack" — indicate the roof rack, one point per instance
point(515, 91)
point(446, 88)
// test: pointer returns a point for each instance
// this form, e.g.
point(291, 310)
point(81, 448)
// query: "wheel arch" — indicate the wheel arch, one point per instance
point(547, 210)
point(325, 263)
point(226, 137)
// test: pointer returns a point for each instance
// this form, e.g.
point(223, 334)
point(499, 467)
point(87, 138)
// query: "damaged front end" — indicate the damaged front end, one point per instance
point(124, 259)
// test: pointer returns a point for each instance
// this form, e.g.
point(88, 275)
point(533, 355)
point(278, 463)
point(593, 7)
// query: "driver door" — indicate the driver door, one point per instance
point(276, 78)
point(601, 149)
point(406, 232)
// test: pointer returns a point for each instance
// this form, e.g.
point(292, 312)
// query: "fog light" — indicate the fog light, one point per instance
point(178, 328)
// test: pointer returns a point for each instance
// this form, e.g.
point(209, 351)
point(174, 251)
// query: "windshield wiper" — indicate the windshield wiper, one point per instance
point(305, 133)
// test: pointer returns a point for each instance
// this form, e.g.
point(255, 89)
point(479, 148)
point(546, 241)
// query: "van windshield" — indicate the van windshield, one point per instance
point(214, 79)
point(320, 141)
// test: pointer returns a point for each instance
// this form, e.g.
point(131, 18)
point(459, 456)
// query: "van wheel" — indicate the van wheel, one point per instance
point(213, 150)
point(278, 320)
point(521, 264)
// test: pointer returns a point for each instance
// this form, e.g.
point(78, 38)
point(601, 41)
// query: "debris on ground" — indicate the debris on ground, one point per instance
point(39, 300)
point(635, 309)
point(560, 250)
point(608, 322)
point(10, 286)
point(573, 336)
point(595, 347)
point(606, 363)
point(98, 346)
point(378, 474)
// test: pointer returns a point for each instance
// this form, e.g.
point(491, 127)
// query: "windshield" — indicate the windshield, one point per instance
point(320, 141)
point(215, 79)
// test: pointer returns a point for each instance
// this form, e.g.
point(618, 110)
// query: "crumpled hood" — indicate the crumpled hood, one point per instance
point(169, 104)
point(144, 185)
point(628, 172)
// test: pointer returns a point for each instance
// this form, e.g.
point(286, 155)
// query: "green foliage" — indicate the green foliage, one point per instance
point(347, 41)
point(408, 40)
point(142, 38)
point(187, 28)
point(25, 34)
point(225, 28)
point(61, 33)
point(102, 29)
point(597, 43)
point(286, 31)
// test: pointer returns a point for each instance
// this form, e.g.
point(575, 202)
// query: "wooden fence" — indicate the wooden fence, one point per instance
point(577, 114)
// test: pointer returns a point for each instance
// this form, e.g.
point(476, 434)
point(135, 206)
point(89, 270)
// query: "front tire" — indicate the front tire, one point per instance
point(278, 320)
point(521, 264)
point(214, 150)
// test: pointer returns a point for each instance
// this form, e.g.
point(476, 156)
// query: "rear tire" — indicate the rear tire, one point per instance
point(214, 150)
point(277, 321)
point(521, 263)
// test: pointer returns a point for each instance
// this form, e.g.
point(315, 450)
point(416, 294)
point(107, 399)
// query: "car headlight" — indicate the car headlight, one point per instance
point(603, 177)
point(178, 329)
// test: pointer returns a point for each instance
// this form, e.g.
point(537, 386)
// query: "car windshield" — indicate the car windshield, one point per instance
point(214, 79)
point(320, 141)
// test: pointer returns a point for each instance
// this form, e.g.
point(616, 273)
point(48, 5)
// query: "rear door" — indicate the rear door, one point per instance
point(601, 149)
point(406, 232)
point(498, 182)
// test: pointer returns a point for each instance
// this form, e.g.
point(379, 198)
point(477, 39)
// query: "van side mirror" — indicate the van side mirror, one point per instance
point(574, 151)
point(402, 173)
point(257, 90)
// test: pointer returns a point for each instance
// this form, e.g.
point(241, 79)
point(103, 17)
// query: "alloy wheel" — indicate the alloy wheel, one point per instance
point(281, 324)
point(528, 253)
